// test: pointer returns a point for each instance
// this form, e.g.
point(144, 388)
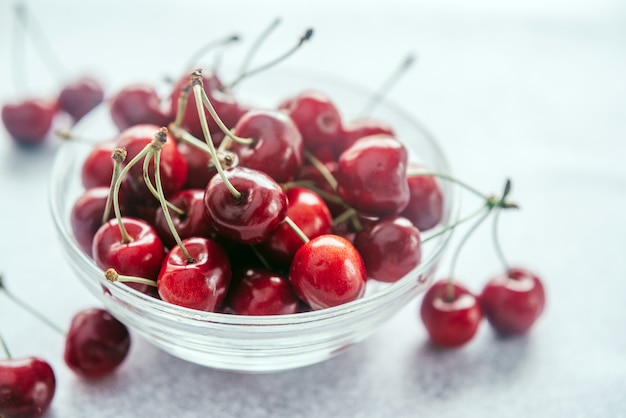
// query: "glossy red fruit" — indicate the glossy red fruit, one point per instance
point(200, 168)
point(253, 217)
point(201, 284)
point(451, 317)
point(80, 97)
point(139, 104)
point(261, 292)
point(27, 387)
point(372, 176)
point(277, 149)
point(360, 128)
point(193, 223)
point(28, 122)
point(312, 173)
point(512, 301)
point(173, 165)
point(425, 208)
point(390, 248)
point(328, 271)
point(96, 343)
point(316, 117)
point(97, 169)
point(310, 213)
point(141, 257)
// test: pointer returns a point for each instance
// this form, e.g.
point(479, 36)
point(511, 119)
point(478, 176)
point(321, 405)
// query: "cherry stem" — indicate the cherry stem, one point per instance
point(245, 64)
point(5, 348)
point(321, 167)
point(495, 234)
point(347, 214)
point(112, 276)
point(166, 212)
point(262, 259)
point(196, 80)
point(183, 99)
point(443, 176)
point(29, 308)
point(226, 158)
point(453, 225)
point(296, 229)
point(153, 191)
point(307, 35)
point(385, 88)
point(118, 156)
point(221, 42)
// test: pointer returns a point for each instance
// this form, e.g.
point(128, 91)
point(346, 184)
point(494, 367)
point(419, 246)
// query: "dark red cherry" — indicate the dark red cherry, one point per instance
point(173, 165)
point(193, 223)
point(310, 213)
point(316, 117)
point(512, 301)
point(96, 343)
point(80, 97)
point(451, 315)
point(312, 173)
point(390, 248)
point(372, 176)
point(97, 169)
point(141, 257)
point(27, 387)
point(139, 104)
point(253, 217)
point(261, 292)
point(328, 271)
point(277, 147)
point(360, 128)
point(200, 167)
point(200, 284)
point(425, 208)
point(29, 121)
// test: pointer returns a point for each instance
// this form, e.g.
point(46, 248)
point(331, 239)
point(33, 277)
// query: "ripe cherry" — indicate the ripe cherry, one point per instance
point(328, 271)
point(27, 387)
point(80, 97)
point(138, 104)
point(97, 168)
point(193, 222)
point(96, 343)
point(450, 313)
point(28, 122)
point(425, 208)
point(512, 301)
point(197, 283)
point(200, 168)
point(360, 128)
point(261, 292)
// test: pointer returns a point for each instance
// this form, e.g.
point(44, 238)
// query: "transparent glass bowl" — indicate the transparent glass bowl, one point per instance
point(256, 343)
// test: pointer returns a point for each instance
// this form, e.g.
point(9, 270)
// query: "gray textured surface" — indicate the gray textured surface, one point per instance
point(533, 90)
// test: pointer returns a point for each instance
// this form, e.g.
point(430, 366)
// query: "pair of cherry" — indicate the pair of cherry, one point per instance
point(95, 345)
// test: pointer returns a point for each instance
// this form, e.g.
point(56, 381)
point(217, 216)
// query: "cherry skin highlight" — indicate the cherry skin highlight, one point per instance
point(27, 387)
point(96, 343)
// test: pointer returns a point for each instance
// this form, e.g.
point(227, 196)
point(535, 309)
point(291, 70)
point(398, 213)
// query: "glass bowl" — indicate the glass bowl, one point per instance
point(257, 343)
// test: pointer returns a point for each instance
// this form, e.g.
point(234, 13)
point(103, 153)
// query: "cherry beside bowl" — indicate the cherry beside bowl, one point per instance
point(257, 343)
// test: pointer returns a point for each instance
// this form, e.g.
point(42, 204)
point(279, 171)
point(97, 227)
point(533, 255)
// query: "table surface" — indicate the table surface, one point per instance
point(531, 90)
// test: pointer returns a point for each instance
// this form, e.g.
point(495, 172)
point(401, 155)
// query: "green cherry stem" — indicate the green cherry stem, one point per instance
point(112, 276)
point(296, 229)
point(496, 218)
point(18, 301)
point(153, 190)
point(181, 106)
point(5, 348)
point(245, 64)
point(118, 156)
point(262, 259)
point(384, 89)
point(453, 225)
point(321, 167)
point(216, 43)
point(443, 176)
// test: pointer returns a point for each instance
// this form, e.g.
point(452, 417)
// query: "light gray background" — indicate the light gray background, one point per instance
point(532, 90)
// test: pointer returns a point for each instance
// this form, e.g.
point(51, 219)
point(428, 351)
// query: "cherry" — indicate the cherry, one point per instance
point(29, 121)
point(138, 104)
point(80, 97)
point(277, 147)
point(251, 217)
point(197, 283)
point(328, 271)
point(27, 387)
point(390, 248)
point(425, 208)
point(97, 169)
point(193, 222)
point(372, 176)
point(512, 301)
point(450, 313)
point(360, 128)
point(307, 210)
point(96, 343)
point(137, 251)
point(261, 292)
point(200, 168)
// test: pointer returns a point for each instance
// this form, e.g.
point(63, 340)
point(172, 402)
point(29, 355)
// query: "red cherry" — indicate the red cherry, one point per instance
point(141, 257)
point(307, 210)
point(200, 284)
point(138, 104)
point(200, 166)
point(328, 271)
point(28, 122)
point(390, 248)
point(80, 97)
point(97, 169)
point(96, 343)
point(361, 128)
point(277, 149)
point(316, 117)
point(193, 223)
point(262, 292)
point(512, 301)
point(253, 217)
point(450, 317)
point(27, 387)
point(425, 208)
point(372, 176)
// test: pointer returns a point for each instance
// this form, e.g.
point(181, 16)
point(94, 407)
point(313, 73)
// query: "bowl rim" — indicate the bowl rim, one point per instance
point(149, 303)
